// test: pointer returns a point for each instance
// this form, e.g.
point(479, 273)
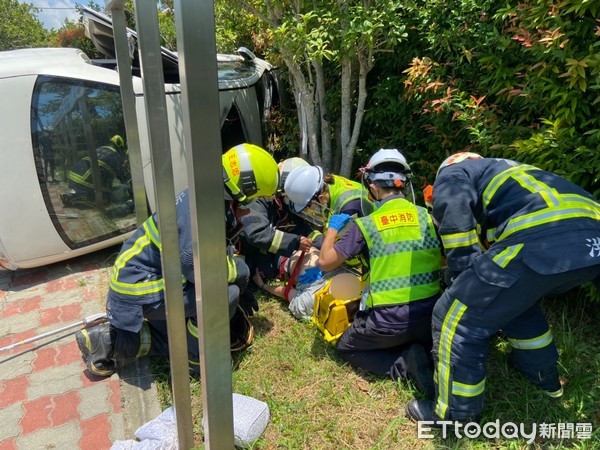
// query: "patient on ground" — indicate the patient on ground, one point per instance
point(301, 286)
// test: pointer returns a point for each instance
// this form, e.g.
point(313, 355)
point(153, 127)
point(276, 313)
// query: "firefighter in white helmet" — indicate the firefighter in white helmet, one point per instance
point(317, 196)
point(135, 302)
point(271, 233)
point(512, 233)
point(391, 334)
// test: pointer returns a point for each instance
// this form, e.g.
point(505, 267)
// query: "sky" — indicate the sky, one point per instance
point(54, 12)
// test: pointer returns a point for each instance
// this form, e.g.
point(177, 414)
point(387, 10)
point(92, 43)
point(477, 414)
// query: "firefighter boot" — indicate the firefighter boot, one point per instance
point(423, 410)
point(420, 410)
point(546, 379)
point(241, 331)
point(96, 346)
point(419, 369)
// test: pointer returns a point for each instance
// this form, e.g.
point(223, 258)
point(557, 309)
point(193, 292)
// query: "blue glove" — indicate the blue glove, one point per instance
point(310, 275)
point(338, 221)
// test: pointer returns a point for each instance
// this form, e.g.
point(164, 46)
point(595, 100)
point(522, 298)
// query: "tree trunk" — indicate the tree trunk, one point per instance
point(326, 153)
point(346, 110)
point(305, 95)
point(366, 63)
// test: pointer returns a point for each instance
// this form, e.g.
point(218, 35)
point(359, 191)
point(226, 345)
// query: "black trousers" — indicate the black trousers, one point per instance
point(378, 347)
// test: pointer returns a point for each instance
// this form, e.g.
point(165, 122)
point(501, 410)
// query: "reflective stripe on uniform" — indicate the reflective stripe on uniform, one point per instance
point(499, 180)
point(276, 242)
point(532, 343)
point(507, 255)
point(145, 340)
point(315, 234)
point(453, 316)
point(570, 210)
point(231, 270)
point(468, 390)
point(82, 179)
point(192, 328)
point(146, 287)
point(149, 237)
point(152, 232)
point(558, 206)
point(456, 240)
point(137, 289)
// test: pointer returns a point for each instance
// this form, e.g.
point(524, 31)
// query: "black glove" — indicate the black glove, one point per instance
point(248, 303)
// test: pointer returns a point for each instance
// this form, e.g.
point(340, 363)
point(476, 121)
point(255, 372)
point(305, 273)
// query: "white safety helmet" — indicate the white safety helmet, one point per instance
point(302, 185)
point(286, 166)
point(388, 168)
point(456, 158)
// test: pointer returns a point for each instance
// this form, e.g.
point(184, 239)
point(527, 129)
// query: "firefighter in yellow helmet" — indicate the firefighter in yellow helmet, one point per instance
point(112, 165)
point(249, 172)
point(135, 303)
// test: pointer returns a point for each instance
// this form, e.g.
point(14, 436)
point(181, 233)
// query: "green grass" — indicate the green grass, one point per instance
point(316, 401)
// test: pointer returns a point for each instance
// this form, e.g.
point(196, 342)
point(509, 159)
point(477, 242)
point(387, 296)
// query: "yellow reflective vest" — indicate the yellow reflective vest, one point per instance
point(405, 255)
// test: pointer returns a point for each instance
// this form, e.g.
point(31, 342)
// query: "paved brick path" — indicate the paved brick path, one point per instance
point(47, 397)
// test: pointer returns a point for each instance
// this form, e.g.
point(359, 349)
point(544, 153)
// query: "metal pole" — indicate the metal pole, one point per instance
point(85, 322)
point(197, 56)
point(129, 114)
point(162, 171)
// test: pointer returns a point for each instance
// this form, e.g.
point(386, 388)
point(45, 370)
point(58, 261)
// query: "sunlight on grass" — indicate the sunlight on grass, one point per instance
point(316, 401)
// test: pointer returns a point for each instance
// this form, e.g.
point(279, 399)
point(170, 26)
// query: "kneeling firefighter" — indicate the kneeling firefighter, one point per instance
point(512, 234)
point(391, 333)
point(135, 303)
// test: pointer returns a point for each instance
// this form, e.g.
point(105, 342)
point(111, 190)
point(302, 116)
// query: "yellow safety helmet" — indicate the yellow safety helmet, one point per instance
point(249, 172)
point(117, 142)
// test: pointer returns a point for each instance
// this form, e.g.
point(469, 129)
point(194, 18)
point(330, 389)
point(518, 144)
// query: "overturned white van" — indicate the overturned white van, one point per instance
point(59, 108)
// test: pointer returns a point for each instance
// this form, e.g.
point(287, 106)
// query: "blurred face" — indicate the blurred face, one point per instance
point(323, 197)
point(314, 213)
point(374, 194)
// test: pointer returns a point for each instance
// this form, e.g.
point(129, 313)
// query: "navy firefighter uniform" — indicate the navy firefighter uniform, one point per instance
point(135, 305)
point(271, 232)
point(512, 234)
point(137, 289)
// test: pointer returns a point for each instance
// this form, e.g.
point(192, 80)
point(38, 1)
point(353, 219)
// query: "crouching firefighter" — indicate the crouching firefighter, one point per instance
point(512, 233)
point(135, 303)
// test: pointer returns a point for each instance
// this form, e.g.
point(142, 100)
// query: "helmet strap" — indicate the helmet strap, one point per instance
point(247, 179)
point(231, 188)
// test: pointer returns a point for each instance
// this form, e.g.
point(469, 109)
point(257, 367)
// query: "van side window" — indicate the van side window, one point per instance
point(80, 151)
point(232, 131)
